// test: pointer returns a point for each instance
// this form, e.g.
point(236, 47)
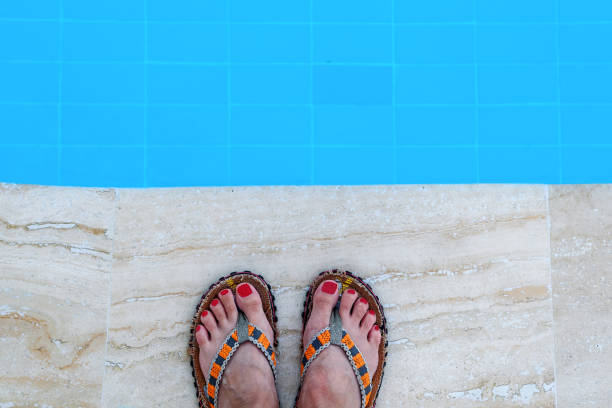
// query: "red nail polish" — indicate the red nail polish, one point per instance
point(363, 300)
point(225, 292)
point(350, 292)
point(330, 287)
point(244, 290)
point(371, 312)
point(214, 302)
point(376, 328)
point(198, 328)
point(205, 313)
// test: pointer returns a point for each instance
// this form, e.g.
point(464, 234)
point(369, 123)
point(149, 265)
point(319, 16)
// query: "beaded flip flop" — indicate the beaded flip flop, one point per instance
point(334, 334)
point(207, 385)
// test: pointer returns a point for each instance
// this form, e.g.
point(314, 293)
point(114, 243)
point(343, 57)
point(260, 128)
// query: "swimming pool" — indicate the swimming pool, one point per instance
point(147, 93)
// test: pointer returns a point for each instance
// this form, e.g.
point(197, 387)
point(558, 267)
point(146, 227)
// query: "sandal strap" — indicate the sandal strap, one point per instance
point(336, 335)
point(244, 331)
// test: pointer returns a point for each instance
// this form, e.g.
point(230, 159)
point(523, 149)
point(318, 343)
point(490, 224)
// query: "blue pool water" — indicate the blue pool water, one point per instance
point(139, 93)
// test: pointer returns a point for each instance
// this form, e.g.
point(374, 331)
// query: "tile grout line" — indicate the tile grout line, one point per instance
point(110, 292)
point(59, 92)
point(311, 96)
point(550, 274)
point(394, 90)
point(476, 97)
point(145, 80)
point(559, 114)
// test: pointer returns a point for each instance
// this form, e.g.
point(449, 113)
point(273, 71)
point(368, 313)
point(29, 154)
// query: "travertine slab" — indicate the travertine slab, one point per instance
point(581, 243)
point(463, 272)
point(55, 261)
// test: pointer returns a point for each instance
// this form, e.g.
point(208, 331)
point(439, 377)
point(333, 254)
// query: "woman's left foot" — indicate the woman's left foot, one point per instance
point(248, 380)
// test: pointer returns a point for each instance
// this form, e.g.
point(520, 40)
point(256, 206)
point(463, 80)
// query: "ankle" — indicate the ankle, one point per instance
point(324, 387)
point(254, 387)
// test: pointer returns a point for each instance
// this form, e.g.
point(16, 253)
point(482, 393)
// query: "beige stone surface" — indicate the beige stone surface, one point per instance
point(581, 243)
point(98, 287)
point(463, 271)
point(55, 260)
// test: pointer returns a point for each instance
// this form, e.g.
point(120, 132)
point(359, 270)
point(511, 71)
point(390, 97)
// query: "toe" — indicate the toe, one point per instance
point(201, 335)
point(346, 303)
point(219, 311)
point(325, 298)
point(209, 321)
point(249, 302)
point(229, 304)
point(368, 321)
point(360, 309)
point(374, 336)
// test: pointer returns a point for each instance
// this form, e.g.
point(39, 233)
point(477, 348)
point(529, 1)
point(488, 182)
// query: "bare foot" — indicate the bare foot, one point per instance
point(248, 380)
point(330, 380)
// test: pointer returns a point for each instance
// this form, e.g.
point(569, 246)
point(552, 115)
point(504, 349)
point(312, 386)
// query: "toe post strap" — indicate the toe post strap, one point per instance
point(244, 331)
point(334, 334)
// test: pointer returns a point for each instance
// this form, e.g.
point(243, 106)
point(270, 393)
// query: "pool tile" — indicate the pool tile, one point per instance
point(34, 9)
point(187, 125)
point(586, 83)
point(518, 43)
point(274, 43)
point(29, 124)
point(436, 125)
point(585, 43)
point(270, 84)
point(519, 164)
point(186, 166)
point(188, 10)
point(518, 125)
point(187, 84)
point(504, 11)
point(586, 124)
point(29, 164)
point(353, 165)
point(102, 166)
point(504, 84)
point(435, 84)
point(586, 164)
point(353, 125)
point(428, 165)
point(352, 11)
point(442, 11)
point(98, 42)
point(103, 125)
point(29, 40)
point(352, 85)
point(278, 125)
point(434, 44)
point(270, 11)
point(193, 42)
point(29, 82)
point(104, 10)
point(585, 10)
point(341, 43)
point(102, 83)
point(270, 166)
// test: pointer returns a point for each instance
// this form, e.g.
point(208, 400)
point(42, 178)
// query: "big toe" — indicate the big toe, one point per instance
point(323, 302)
point(249, 302)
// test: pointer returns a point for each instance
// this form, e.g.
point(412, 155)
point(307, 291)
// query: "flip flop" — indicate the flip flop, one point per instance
point(207, 384)
point(334, 334)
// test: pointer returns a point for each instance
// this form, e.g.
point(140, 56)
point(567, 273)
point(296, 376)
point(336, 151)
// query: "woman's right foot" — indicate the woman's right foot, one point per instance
point(330, 380)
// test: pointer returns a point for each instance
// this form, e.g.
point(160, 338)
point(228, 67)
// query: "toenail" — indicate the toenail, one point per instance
point(225, 292)
point(329, 287)
point(244, 290)
point(214, 302)
point(363, 300)
point(198, 328)
point(376, 328)
point(371, 312)
point(205, 313)
point(350, 292)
